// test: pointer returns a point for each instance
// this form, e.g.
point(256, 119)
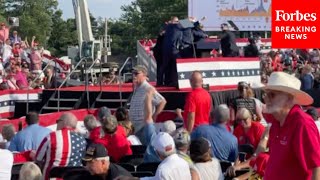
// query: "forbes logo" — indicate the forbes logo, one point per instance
point(281, 15)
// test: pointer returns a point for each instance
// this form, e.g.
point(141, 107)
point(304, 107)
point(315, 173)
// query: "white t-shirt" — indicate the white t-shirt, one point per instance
point(172, 168)
point(210, 170)
point(6, 159)
point(7, 53)
point(134, 140)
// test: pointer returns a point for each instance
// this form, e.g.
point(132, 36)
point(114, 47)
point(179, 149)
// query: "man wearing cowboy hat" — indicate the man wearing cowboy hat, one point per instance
point(294, 140)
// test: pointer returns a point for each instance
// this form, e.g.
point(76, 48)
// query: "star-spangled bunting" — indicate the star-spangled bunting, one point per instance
point(222, 73)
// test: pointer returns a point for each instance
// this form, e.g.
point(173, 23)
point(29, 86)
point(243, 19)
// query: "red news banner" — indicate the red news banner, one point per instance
point(296, 24)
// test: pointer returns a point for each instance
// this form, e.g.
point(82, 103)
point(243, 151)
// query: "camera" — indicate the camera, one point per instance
point(13, 21)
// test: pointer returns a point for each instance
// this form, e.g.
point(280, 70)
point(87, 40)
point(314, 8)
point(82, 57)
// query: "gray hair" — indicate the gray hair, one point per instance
point(222, 113)
point(166, 154)
point(69, 120)
point(103, 112)
point(90, 122)
point(30, 171)
point(8, 131)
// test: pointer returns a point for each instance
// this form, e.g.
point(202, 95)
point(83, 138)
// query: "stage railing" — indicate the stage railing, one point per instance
point(32, 82)
point(121, 79)
point(65, 80)
point(100, 76)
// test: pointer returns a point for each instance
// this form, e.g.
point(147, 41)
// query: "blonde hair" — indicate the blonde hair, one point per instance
point(30, 171)
point(245, 113)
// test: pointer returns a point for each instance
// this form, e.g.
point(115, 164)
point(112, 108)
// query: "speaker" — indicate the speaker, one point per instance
point(14, 21)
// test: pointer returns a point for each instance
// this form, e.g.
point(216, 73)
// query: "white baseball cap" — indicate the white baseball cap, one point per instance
point(163, 142)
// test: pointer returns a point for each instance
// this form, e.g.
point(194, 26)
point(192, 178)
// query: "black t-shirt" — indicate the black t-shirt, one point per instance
point(114, 171)
point(248, 103)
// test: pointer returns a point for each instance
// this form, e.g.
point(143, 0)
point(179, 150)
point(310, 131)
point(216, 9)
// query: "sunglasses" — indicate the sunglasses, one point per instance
point(136, 73)
point(270, 94)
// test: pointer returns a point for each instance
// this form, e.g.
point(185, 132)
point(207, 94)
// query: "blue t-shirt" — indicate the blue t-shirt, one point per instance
point(306, 82)
point(224, 145)
point(29, 138)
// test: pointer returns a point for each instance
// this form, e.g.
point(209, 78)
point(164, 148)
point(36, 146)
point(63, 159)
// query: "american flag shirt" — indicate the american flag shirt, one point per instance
point(61, 148)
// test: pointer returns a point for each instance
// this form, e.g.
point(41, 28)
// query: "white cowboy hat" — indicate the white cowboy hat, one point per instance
point(280, 81)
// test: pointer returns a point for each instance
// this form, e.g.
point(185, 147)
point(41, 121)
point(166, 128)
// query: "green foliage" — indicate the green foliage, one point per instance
point(143, 19)
point(34, 15)
point(63, 34)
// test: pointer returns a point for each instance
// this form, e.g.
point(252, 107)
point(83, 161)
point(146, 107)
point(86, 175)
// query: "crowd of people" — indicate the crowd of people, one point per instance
point(276, 137)
point(275, 140)
point(21, 63)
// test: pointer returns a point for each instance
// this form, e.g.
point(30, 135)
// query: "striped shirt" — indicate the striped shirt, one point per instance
point(137, 104)
point(60, 149)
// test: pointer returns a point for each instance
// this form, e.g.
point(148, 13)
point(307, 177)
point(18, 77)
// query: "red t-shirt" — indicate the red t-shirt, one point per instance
point(116, 144)
point(199, 102)
point(252, 136)
point(259, 163)
point(294, 147)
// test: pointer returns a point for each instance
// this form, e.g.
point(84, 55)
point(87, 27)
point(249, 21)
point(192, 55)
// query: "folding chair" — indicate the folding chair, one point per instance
point(138, 149)
point(134, 159)
point(152, 167)
point(129, 167)
point(59, 172)
point(140, 174)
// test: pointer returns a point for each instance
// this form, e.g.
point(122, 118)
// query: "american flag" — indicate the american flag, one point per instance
point(219, 72)
point(61, 148)
point(9, 97)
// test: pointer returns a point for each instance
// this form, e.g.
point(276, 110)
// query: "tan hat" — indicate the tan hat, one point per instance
point(280, 81)
point(141, 68)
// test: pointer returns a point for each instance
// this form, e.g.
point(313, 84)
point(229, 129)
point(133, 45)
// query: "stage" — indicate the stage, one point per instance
point(77, 98)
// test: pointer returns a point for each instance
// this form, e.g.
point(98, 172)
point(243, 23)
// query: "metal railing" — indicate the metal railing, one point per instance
point(119, 76)
point(66, 79)
point(32, 83)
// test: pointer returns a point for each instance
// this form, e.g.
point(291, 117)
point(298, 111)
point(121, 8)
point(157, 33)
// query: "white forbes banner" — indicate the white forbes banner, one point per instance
point(247, 15)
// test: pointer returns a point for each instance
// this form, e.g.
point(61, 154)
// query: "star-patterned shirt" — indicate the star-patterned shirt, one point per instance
point(61, 148)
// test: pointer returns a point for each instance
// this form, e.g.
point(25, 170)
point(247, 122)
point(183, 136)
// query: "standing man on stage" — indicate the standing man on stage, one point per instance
point(171, 44)
point(228, 42)
point(158, 55)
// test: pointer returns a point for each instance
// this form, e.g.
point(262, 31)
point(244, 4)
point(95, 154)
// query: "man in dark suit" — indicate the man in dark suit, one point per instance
point(158, 55)
point(171, 44)
point(228, 42)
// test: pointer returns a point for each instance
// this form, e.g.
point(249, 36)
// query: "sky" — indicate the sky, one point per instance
point(102, 8)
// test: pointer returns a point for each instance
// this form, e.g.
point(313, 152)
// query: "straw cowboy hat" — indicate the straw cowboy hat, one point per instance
point(280, 81)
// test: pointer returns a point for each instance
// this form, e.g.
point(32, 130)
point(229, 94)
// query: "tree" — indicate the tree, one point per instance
point(34, 15)
point(143, 19)
point(63, 35)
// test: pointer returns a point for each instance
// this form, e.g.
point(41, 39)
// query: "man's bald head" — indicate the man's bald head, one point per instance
point(67, 120)
point(196, 79)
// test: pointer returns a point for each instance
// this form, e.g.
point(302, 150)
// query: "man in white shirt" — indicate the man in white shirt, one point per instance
point(172, 166)
point(6, 159)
